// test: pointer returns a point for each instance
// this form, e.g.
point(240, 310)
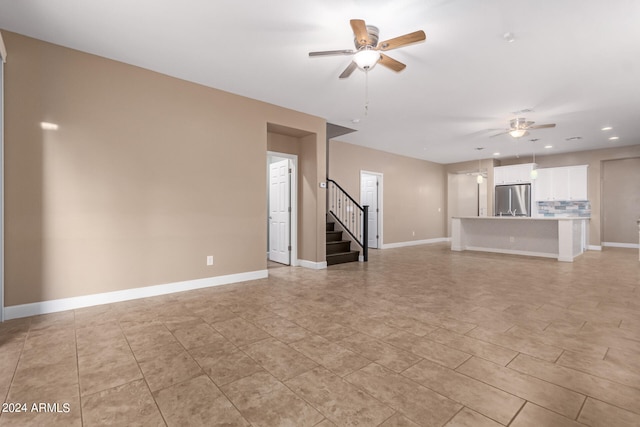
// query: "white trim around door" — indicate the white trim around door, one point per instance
point(273, 156)
point(379, 181)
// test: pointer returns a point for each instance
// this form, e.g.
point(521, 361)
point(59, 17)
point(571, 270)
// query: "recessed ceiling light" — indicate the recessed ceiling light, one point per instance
point(356, 120)
point(48, 126)
point(606, 128)
point(613, 138)
point(509, 37)
point(548, 146)
point(496, 154)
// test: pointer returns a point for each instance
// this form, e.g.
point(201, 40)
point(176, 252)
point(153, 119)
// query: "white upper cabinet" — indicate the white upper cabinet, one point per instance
point(578, 183)
point(543, 190)
point(512, 174)
point(565, 183)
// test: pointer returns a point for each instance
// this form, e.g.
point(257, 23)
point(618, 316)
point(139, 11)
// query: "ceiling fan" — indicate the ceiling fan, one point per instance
point(520, 127)
point(368, 51)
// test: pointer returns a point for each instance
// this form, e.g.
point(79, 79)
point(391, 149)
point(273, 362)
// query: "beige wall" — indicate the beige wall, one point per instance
point(593, 158)
point(146, 176)
point(462, 196)
point(283, 143)
point(413, 194)
point(485, 165)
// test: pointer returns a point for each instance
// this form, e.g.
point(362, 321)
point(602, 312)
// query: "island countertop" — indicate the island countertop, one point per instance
point(563, 238)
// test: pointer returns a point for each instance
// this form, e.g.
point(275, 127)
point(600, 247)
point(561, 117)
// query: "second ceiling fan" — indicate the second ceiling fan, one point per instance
point(368, 51)
point(520, 127)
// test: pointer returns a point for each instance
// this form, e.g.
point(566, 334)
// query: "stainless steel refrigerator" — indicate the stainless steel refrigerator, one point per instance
point(513, 200)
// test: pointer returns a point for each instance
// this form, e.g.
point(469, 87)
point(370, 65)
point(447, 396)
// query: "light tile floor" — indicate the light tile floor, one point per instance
point(417, 336)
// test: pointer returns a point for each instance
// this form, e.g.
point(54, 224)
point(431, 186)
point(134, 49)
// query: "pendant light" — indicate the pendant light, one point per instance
point(479, 178)
point(534, 170)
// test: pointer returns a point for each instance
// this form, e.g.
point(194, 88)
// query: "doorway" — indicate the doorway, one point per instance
point(465, 196)
point(282, 208)
point(371, 195)
point(620, 202)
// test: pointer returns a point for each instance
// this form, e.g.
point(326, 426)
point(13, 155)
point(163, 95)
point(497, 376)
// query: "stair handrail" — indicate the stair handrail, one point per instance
point(340, 204)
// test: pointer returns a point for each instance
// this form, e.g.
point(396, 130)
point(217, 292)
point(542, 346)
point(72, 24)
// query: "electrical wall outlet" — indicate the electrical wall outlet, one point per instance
point(210, 260)
point(512, 239)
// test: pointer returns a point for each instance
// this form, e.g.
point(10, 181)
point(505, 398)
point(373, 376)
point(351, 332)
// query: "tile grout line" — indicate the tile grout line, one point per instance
point(527, 375)
point(520, 410)
point(455, 400)
point(155, 402)
point(584, 402)
point(456, 414)
point(339, 379)
point(15, 370)
point(204, 372)
point(75, 336)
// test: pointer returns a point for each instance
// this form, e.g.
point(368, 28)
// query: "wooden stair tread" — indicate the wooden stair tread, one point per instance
point(342, 257)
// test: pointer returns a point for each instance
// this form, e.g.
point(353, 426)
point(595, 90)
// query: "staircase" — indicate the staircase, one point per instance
point(338, 250)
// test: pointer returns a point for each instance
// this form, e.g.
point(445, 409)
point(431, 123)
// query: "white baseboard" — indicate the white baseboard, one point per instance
point(312, 264)
point(52, 306)
point(415, 243)
point(594, 247)
point(621, 245)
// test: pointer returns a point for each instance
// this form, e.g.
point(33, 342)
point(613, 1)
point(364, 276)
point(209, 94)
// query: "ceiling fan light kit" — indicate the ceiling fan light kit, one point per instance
point(517, 133)
point(366, 58)
point(520, 127)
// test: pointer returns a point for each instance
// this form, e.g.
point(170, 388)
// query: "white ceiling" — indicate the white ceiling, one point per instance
point(574, 62)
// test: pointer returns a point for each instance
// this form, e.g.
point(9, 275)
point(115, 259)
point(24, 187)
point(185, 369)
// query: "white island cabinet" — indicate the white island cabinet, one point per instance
point(562, 238)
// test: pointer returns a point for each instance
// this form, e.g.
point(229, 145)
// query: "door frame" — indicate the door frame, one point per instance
point(293, 193)
point(603, 208)
point(380, 178)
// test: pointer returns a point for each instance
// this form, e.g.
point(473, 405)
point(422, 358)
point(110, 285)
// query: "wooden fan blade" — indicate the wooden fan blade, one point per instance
point(332, 52)
point(347, 71)
point(360, 30)
point(550, 125)
point(416, 36)
point(391, 63)
point(501, 133)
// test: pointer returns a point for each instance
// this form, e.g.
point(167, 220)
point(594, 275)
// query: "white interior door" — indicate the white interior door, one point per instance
point(369, 196)
point(279, 212)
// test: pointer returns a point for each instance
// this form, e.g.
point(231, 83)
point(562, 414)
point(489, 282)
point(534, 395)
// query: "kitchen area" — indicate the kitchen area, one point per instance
point(543, 212)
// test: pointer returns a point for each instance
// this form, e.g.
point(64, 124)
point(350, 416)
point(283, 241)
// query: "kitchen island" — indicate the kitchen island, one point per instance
point(563, 238)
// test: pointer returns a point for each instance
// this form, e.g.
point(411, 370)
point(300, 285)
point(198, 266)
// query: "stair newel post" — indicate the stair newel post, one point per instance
point(365, 233)
point(327, 198)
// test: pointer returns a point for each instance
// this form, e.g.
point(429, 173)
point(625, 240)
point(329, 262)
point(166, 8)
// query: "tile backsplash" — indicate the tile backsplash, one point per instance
point(565, 208)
